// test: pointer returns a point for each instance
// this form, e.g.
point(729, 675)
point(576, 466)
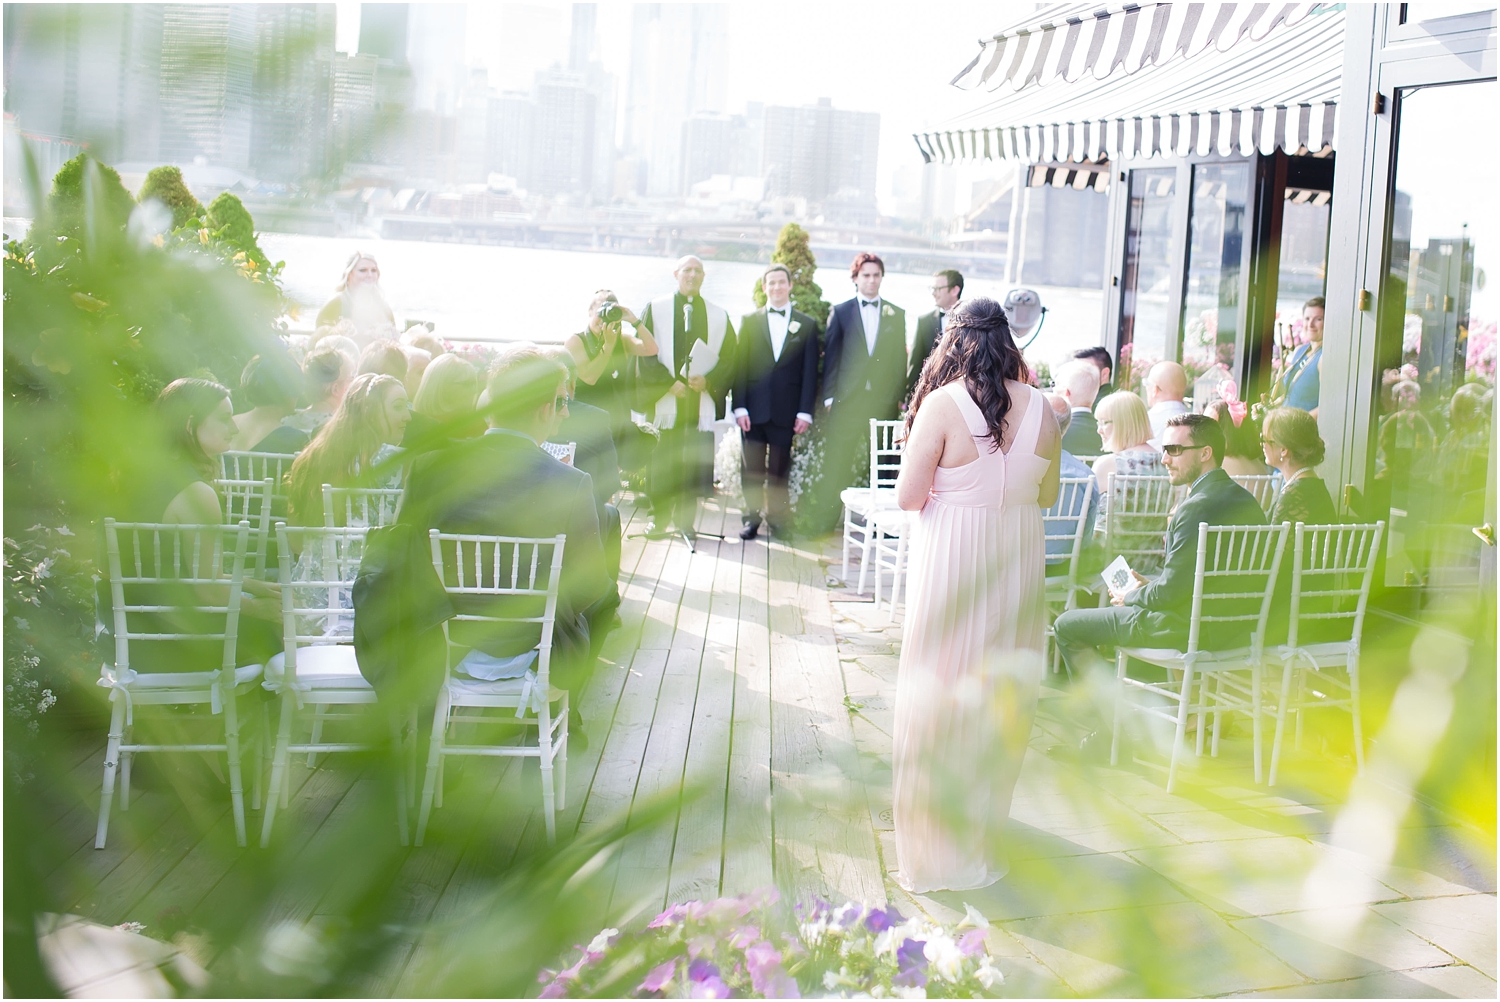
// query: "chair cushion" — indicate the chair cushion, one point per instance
point(1166, 657)
point(190, 679)
point(858, 498)
point(325, 666)
point(460, 687)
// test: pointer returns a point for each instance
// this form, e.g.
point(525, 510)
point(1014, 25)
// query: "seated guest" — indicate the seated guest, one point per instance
point(1098, 356)
point(1156, 612)
point(1070, 467)
point(1125, 428)
point(176, 488)
point(589, 427)
point(1166, 384)
point(417, 361)
point(443, 409)
point(271, 385)
point(355, 448)
point(384, 358)
point(419, 337)
point(1293, 446)
point(504, 484)
point(326, 373)
point(1242, 448)
point(1077, 382)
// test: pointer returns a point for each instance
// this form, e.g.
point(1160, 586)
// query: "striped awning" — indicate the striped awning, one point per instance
point(1279, 92)
point(1071, 41)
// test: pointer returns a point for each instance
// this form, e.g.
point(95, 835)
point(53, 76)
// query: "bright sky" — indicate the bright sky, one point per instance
point(885, 57)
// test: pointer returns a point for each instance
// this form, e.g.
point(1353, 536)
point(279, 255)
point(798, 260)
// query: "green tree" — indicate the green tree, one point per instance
point(231, 223)
point(83, 191)
point(794, 251)
point(165, 184)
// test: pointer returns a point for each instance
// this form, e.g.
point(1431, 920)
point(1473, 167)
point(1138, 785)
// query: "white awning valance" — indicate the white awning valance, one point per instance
point(1280, 92)
point(1072, 41)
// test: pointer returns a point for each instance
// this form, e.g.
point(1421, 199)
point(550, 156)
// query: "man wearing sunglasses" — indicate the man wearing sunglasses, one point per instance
point(1155, 612)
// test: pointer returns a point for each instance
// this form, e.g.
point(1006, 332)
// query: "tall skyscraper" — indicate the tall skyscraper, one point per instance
point(353, 109)
point(562, 150)
point(511, 116)
point(435, 45)
point(87, 73)
point(383, 34)
point(821, 153)
point(473, 127)
point(382, 31)
point(720, 144)
point(207, 75)
point(583, 59)
point(679, 65)
point(293, 91)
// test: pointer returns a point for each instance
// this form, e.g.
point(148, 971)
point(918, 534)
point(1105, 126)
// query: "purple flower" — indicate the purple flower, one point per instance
point(910, 955)
point(555, 990)
point(971, 943)
point(708, 988)
point(700, 946)
point(879, 920)
point(766, 975)
point(659, 977)
point(910, 978)
point(671, 916)
point(702, 970)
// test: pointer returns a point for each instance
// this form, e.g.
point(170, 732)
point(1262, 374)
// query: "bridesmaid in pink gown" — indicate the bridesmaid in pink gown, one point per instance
point(980, 464)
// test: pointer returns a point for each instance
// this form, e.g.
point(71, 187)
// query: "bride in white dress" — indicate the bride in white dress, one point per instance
point(980, 464)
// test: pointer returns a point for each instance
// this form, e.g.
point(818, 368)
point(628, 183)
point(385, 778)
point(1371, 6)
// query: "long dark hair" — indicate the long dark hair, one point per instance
point(340, 452)
point(977, 348)
point(183, 407)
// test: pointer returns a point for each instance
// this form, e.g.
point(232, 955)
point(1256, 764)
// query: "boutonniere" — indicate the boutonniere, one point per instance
point(794, 326)
point(886, 309)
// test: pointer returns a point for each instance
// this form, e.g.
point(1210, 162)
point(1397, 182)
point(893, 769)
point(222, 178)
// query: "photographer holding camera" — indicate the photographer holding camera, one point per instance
point(603, 353)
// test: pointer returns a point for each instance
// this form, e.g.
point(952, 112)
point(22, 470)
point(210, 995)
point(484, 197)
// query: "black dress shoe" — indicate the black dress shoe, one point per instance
point(749, 531)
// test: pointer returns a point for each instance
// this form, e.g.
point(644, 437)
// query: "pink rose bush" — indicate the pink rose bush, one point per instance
point(746, 948)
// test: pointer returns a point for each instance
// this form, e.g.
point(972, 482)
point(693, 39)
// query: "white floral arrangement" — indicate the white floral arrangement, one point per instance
point(744, 948)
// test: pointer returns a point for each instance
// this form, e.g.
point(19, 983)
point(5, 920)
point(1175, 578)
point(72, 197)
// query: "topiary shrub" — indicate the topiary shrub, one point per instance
point(794, 250)
point(165, 184)
point(231, 223)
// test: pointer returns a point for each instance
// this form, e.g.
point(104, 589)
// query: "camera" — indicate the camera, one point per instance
point(611, 312)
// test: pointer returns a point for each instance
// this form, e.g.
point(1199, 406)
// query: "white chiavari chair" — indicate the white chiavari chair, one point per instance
point(317, 667)
point(1233, 584)
point(1265, 487)
point(1137, 508)
point(360, 507)
point(501, 585)
point(860, 503)
point(891, 529)
point(175, 594)
point(1066, 523)
point(1333, 567)
point(250, 501)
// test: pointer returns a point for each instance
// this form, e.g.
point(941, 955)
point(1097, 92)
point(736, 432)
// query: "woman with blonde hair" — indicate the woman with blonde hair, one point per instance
point(443, 409)
point(352, 448)
point(1125, 427)
point(360, 301)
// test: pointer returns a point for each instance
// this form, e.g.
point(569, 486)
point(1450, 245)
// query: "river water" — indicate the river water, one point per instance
point(484, 293)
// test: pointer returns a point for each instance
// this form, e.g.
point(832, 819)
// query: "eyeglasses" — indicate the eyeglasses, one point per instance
point(1177, 450)
point(561, 403)
point(941, 288)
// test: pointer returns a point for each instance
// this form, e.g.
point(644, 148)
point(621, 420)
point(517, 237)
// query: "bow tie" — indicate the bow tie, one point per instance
point(780, 313)
point(868, 302)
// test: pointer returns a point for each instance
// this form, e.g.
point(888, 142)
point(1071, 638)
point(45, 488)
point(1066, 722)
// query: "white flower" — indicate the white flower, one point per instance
point(830, 981)
point(944, 956)
point(973, 918)
point(901, 991)
point(600, 943)
point(988, 975)
point(794, 326)
point(891, 313)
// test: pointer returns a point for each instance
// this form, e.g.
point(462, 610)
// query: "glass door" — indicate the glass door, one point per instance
point(1147, 327)
point(1432, 442)
point(1212, 310)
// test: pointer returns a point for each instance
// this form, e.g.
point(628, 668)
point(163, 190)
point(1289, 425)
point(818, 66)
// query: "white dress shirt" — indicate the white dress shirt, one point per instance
point(776, 325)
point(869, 314)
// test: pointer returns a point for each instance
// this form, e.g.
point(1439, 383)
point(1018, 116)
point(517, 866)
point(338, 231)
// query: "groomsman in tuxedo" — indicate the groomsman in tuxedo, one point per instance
point(947, 290)
point(683, 463)
point(864, 370)
point(775, 391)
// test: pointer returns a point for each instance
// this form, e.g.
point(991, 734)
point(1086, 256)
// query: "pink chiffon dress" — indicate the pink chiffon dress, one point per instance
point(971, 654)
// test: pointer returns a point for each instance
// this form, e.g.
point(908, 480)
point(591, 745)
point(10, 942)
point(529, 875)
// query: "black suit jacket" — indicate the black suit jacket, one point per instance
point(1168, 599)
point(504, 484)
point(775, 390)
point(874, 384)
point(1082, 437)
point(927, 338)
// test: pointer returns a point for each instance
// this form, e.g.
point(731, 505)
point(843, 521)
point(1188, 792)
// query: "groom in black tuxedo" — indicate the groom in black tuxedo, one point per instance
point(864, 371)
point(775, 390)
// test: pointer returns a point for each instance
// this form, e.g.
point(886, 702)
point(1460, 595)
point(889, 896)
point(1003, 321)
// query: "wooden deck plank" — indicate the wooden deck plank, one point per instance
point(698, 852)
point(748, 831)
point(824, 841)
